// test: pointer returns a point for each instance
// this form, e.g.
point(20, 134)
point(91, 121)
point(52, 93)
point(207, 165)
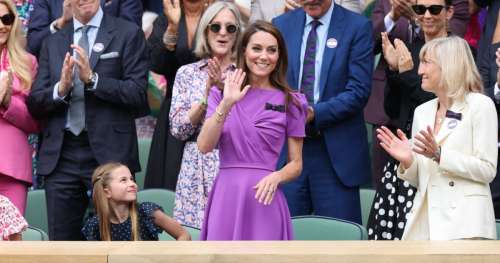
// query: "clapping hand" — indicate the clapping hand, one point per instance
point(6, 79)
point(66, 81)
point(67, 14)
point(172, 10)
point(291, 5)
point(398, 56)
point(82, 63)
point(214, 73)
point(398, 147)
point(390, 53)
point(232, 87)
point(266, 188)
point(401, 8)
point(405, 61)
point(425, 143)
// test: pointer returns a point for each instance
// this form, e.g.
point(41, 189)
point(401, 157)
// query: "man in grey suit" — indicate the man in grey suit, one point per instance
point(90, 87)
point(51, 15)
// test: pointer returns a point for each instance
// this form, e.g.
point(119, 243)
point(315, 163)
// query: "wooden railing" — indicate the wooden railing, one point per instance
point(243, 252)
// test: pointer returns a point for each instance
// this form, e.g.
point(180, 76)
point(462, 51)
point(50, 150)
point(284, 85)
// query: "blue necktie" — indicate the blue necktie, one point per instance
point(308, 69)
point(77, 102)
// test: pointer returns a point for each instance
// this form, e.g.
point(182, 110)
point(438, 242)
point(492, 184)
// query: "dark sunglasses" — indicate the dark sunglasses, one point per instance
point(433, 9)
point(217, 27)
point(7, 19)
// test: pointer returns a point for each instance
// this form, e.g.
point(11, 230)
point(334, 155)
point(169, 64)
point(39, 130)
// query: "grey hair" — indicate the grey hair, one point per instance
point(459, 74)
point(202, 49)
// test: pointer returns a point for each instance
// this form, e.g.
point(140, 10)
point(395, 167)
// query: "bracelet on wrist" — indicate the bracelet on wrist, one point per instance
point(169, 39)
point(437, 155)
point(219, 115)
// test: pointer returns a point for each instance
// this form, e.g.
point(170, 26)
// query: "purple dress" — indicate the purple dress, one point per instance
point(249, 147)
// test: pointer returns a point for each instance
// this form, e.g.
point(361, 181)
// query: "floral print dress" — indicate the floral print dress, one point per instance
point(11, 220)
point(24, 8)
point(197, 170)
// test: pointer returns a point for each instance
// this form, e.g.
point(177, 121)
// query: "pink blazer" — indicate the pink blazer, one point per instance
point(16, 124)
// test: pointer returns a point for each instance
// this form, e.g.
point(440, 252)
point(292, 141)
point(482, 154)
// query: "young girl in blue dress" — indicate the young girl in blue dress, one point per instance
point(118, 215)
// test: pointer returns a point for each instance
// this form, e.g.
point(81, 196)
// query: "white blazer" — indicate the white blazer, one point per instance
point(454, 200)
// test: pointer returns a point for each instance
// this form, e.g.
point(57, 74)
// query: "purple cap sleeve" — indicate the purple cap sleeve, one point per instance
point(296, 116)
point(214, 98)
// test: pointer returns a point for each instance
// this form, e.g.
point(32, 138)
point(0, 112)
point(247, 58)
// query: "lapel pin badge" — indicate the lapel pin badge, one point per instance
point(98, 47)
point(452, 124)
point(331, 43)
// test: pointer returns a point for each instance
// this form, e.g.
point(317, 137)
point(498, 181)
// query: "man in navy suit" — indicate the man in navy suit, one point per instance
point(331, 62)
point(486, 63)
point(50, 15)
point(90, 87)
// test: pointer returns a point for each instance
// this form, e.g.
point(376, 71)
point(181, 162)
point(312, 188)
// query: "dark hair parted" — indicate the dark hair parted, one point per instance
point(278, 76)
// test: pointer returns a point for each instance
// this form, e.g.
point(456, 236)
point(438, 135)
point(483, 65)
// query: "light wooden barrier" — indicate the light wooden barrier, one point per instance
point(243, 252)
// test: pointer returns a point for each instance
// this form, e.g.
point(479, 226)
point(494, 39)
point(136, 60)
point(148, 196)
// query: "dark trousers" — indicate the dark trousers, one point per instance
point(318, 190)
point(165, 155)
point(495, 191)
point(68, 188)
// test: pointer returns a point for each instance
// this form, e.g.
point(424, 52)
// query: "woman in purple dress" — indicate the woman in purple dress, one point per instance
point(248, 121)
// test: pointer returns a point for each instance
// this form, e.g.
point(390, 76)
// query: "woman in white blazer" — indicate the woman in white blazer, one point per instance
point(452, 156)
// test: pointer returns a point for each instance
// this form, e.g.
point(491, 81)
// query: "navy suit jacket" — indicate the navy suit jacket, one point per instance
point(153, 5)
point(345, 84)
point(488, 70)
point(111, 109)
point(46, 11)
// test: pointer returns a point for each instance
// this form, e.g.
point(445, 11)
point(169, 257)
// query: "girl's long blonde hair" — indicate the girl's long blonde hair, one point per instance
point(100, 181)
point(19, 60)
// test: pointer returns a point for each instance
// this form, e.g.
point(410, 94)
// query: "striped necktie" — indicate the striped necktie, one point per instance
point(308, 69)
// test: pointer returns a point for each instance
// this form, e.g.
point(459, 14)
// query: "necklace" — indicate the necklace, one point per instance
point(440, 118)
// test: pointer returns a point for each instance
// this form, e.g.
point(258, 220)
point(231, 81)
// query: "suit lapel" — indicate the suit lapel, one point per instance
point(450, 124)
point(67, 40)
point(428, 115)
point(103, 38)
point(335, 31)
point(295, 42)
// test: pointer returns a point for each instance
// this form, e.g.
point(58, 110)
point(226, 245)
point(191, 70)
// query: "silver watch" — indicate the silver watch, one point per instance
point(92, 80)
point(436, 157)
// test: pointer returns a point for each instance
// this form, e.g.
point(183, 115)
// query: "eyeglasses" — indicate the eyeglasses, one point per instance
point(7, 19)
point(433, 9)
point(230, 28)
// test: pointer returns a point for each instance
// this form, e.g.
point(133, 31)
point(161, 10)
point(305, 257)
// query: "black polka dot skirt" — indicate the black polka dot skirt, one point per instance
point(391, 205)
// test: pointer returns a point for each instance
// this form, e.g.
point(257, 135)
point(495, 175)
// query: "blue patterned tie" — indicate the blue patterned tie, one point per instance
point(308, 69)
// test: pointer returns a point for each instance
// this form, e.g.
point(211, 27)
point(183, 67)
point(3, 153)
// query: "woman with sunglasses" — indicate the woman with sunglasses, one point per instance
point(171, 43)
point(217, 34)
point(249, 121)
point(452, 156)
point(403, 93)
point(17, 71)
